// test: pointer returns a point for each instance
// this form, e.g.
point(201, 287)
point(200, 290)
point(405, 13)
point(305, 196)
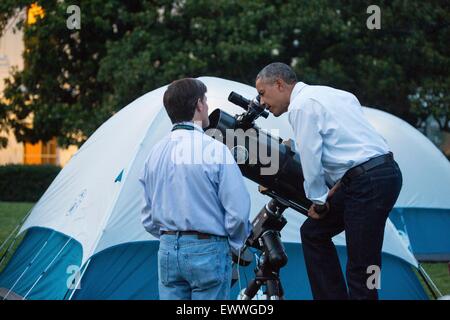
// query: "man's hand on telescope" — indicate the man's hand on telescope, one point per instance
point(323, 211)
point(262, 189)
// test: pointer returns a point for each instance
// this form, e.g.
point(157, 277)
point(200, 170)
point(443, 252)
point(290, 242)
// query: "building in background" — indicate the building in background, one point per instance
point(11, 48)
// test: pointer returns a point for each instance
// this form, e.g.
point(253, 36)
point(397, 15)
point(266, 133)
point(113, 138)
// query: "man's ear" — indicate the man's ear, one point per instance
point(280, 84)
point(199, 106)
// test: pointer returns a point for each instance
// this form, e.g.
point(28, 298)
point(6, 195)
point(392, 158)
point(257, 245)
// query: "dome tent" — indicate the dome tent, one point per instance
point(422, 211)
point(89, 219)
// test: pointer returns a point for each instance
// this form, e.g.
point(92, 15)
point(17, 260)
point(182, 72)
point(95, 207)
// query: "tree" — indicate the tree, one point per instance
point(74, 80)
point(331, 45)
point(58, 88)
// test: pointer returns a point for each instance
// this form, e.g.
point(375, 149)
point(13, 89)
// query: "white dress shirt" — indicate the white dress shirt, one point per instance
point(192, 183)
point(332, 135)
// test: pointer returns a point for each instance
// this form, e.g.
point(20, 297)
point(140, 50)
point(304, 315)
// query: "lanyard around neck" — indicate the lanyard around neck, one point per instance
point(182, 126)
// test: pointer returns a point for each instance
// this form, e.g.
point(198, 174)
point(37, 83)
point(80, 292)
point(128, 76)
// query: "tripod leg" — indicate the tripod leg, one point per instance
point(274, 291)
point(281, 290)
point(252, 289)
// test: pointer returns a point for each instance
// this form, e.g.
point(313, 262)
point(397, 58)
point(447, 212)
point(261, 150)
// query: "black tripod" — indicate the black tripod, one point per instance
point(268, 276)
point(266, 237)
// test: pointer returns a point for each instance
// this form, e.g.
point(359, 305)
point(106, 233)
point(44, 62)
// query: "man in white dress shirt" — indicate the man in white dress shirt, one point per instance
point(349, 175)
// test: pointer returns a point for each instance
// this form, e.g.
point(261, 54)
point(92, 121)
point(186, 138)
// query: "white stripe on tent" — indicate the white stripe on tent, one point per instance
point(29, 265)
point(429, 282)
point(46, 269)
point(16, 236)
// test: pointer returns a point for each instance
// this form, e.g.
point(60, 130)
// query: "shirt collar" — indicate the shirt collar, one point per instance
point(299, 86)
point(191, 123)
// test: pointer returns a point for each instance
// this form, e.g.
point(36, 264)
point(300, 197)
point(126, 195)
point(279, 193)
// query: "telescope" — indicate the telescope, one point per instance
point(284, 185)
point(257, 152)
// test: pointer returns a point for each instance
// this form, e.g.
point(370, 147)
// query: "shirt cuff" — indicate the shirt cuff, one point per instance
point(321, 200)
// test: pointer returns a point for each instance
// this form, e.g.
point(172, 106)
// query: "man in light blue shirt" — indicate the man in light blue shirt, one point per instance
point(349, 175)
point(195, 202)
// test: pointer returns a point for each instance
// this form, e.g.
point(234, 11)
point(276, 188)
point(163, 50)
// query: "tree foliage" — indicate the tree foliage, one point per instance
point(74, 80)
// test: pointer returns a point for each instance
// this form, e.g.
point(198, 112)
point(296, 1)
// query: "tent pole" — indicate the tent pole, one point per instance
point(15, 238)
point(9, 237)
point(29, 265)
point(46, 269)
point(3, 258)
point(430, 284)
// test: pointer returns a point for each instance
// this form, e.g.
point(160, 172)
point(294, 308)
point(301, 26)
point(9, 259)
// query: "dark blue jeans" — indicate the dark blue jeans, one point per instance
point(361, 207)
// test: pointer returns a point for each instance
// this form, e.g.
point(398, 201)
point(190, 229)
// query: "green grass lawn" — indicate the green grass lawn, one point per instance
point(11, 213)
point(439, 273)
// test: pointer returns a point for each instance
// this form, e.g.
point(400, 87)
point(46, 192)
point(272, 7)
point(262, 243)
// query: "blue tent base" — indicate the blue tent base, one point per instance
point(398, 280)
point(427, 231)
point(129, 272)
point(40, 267)
point(124, 272)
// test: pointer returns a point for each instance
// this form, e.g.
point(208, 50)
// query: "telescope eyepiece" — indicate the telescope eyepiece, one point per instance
point(253, 107)
point(239, 100)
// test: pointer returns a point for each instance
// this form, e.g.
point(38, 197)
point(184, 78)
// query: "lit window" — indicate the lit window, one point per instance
point(35, 11)
point(40, 153)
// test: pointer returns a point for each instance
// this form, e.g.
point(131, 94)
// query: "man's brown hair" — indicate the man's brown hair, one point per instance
point(181, 97)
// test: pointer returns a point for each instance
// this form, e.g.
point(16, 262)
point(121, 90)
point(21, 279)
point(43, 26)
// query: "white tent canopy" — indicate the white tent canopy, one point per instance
point(426, 171)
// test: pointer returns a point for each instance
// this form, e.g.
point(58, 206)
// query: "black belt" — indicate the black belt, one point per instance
point(366, 166)
point(200, 235)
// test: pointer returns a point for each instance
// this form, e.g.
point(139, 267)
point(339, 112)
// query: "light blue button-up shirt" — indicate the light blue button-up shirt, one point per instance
point(192, 183)
point(332, 135)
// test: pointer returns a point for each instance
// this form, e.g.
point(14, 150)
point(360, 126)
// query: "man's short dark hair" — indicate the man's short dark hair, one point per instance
point(181, 97)
point(277, 70)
